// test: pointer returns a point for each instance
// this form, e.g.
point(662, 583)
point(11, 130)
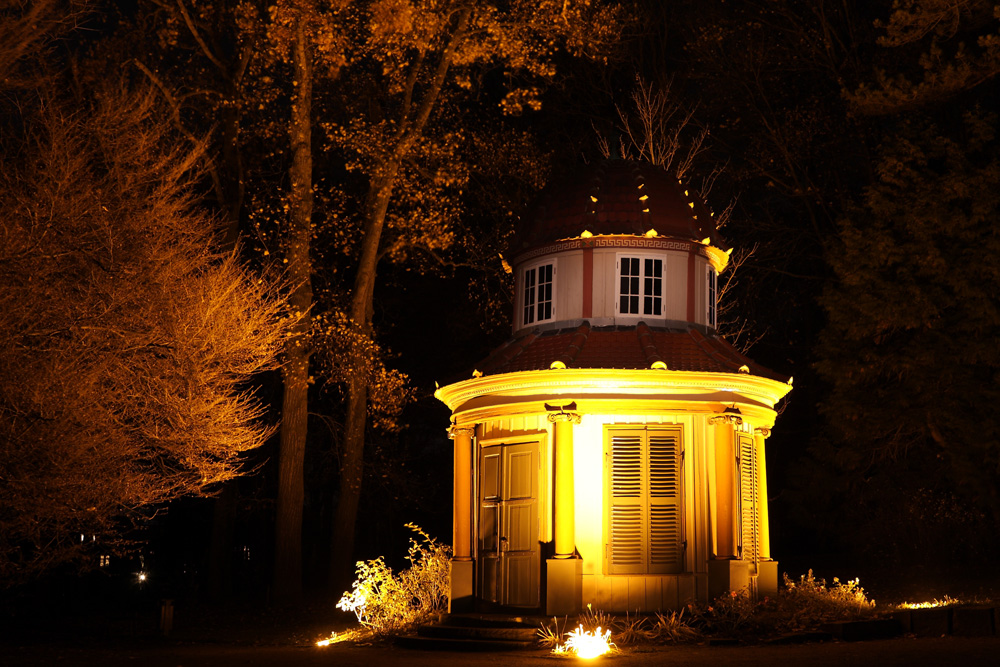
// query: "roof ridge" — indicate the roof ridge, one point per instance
point(648, 345)
point(576, 344)
point(704, 343)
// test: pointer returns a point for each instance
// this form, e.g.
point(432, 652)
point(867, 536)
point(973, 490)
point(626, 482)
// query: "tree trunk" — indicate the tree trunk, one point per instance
point(294, 411)
point(383, 178)
point(231, 173)
point(220, 555)
point(352, 458)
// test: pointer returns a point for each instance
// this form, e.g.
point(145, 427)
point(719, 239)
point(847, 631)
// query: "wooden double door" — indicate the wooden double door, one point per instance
point(509, 565)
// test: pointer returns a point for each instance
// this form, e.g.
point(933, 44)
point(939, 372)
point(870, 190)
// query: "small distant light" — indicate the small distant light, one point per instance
point(691, 204)
point(585, 234)
point(651, 233)
point(686, 194)
point(645, 210)
point(593, 199)
point(642, 185)
point(141, 577)
point(706, 240)
point(644, 198)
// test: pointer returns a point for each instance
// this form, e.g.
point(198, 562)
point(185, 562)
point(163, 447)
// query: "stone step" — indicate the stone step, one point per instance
point(447, 630)
point(458, 644)
point(492, 621)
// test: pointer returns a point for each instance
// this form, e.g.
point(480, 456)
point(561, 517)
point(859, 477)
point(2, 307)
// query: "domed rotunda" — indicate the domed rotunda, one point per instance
point(612, 451)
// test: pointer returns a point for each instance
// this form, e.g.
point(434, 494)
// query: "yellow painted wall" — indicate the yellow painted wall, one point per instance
point(623, 592)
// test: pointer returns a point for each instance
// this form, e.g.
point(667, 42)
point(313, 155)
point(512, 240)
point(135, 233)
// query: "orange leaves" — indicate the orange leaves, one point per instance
point(126, 342)
point(342, 350)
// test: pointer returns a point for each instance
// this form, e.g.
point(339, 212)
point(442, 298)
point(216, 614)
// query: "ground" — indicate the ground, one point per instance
point(968, 652)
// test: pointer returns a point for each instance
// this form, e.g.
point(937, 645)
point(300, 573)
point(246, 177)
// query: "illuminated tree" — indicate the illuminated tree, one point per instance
point(412, 64)
point(392, 84)
point(126, 343)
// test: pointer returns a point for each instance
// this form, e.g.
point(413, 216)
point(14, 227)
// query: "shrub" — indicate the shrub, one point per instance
point(388, 605)
point(809, 602)
point(732, 613)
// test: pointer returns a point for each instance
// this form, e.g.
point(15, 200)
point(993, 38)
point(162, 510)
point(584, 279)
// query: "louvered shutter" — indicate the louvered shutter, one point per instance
point(645, 531)
point(664, 462)
point(627, 494)
point(749, 499)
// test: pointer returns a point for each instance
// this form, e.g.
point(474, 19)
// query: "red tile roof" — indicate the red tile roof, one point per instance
point(617, 197)
point(630, 347)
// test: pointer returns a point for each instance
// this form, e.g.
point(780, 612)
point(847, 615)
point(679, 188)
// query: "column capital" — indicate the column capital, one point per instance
point(725, 419)
point(455, 431)
point(731, 415)
point(571, 417)
point(762, 431)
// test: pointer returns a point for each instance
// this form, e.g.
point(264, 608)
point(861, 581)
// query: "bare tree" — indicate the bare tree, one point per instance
point(659, 130)
point(126, 342)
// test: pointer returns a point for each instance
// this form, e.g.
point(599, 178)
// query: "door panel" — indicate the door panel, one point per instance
point(521, 581)
point(508, 525)
point(491, 475)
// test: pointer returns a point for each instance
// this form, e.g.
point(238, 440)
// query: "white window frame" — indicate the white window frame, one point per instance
point(711, 297)
point(537, 293)
point(642, 295)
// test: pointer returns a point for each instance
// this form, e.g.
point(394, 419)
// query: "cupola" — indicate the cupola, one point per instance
point(614, 244)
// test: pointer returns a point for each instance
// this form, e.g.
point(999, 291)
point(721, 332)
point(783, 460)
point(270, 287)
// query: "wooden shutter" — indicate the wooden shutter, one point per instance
point(644, 482)
point(627, 495)
point(665, 541)
point(749, 499)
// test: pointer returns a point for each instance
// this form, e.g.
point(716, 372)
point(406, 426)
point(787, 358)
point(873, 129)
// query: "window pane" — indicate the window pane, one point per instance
point(529, 296)
point(628, 286)
point(712, 297)
point(544, 292)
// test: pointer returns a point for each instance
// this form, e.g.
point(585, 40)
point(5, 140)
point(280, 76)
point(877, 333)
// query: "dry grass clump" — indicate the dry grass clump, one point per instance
point(801, 605)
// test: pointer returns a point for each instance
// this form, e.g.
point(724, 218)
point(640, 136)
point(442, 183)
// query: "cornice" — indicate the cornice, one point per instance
point(718, 258)
point(612, 381)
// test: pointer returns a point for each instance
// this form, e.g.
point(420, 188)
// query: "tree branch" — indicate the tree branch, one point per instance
point(201, 42)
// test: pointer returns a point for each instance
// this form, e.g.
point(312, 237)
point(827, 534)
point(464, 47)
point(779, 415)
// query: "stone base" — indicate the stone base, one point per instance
point(737, 575)
point(462, 599)
point(564, 586)
point(767, 579)
point(727, 575)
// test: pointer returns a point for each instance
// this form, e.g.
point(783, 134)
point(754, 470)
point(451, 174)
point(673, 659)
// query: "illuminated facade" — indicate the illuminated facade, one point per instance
point(612, 451)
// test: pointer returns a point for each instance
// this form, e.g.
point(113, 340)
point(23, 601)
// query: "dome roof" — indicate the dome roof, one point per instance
point(629, 347)
point(616, 197)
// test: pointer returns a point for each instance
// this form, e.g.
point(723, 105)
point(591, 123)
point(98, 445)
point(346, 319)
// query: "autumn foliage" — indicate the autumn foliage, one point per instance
point(126, 342)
